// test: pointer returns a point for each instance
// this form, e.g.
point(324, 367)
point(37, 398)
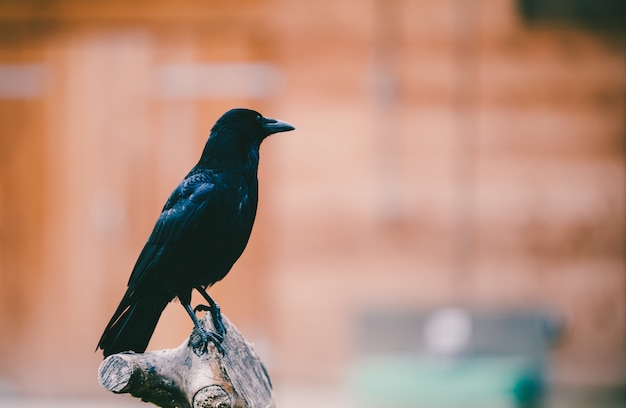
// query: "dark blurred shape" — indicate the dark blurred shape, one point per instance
point(451, 356)
point(589, 13)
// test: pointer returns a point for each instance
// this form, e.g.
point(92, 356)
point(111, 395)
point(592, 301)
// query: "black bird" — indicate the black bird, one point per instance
point(202, 230)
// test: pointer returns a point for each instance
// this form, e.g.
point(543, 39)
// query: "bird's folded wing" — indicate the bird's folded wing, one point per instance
point(178, 221)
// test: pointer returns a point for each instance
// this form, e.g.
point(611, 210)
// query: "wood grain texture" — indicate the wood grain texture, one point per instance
point(192, 375)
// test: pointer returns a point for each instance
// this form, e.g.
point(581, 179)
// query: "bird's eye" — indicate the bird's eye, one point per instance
point(258, 118)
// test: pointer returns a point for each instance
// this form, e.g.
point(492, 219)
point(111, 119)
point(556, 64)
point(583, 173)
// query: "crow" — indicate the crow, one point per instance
point(202, 230)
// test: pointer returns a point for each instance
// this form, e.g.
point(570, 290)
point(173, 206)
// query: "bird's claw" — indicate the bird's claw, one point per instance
point(201, 308)
point(201, 341)
point(216, 317)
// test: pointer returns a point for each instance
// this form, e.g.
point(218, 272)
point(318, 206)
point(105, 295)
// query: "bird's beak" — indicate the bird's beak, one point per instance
point(275, 126)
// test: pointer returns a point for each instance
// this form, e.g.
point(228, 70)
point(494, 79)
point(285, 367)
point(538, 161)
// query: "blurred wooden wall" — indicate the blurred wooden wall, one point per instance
point(476, 160)
point(446, 153)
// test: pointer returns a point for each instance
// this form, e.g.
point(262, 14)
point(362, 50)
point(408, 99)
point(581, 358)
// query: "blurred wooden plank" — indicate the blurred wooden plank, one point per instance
point(120, 11)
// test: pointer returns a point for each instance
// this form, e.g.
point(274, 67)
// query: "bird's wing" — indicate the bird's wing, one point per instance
point(178, 220)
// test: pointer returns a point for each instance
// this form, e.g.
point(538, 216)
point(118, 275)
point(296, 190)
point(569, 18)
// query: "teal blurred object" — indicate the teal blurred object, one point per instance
point(432, 382)
point(452, 358)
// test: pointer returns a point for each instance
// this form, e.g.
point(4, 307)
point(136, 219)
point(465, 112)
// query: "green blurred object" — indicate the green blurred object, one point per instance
point(452, 358)
point(399, 381)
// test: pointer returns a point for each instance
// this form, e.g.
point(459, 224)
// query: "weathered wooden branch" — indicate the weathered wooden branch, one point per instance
point(191, 375)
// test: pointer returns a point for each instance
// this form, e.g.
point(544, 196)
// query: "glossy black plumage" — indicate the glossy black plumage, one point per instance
point(202, 230)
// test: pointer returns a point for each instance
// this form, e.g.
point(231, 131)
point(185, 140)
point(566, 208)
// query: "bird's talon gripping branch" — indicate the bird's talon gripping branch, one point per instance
point(216, 317)
point(200, 339)
point(201, 308)
point(216, 313)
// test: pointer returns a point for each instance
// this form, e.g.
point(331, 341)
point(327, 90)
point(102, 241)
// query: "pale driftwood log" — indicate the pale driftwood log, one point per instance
point(192, 376)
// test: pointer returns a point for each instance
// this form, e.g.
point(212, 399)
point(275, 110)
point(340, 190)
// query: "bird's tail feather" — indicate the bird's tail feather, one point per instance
point(131, 327)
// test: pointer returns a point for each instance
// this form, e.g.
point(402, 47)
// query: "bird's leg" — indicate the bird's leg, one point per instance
point(206, 336)
point(216, 313)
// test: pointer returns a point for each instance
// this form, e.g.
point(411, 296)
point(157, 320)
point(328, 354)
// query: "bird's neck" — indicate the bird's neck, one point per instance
point(224, 156)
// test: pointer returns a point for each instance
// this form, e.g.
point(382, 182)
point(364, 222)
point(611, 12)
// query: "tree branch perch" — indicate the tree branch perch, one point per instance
point(191, 376)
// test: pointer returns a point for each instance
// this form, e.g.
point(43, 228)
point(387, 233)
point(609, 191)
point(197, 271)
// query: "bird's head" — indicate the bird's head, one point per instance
point(248, 126)
point(237, 135)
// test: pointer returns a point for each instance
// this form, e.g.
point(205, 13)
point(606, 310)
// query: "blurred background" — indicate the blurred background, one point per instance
point(445, 228)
